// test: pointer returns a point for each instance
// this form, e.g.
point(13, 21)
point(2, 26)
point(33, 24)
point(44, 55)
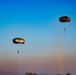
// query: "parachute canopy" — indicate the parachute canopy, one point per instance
point(18, 40)
point(64, 19)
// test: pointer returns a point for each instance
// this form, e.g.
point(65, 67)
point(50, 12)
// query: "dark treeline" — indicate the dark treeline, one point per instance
point(30, 73)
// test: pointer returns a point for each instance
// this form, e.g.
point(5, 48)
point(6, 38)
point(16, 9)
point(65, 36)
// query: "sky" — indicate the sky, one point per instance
point(46, 49)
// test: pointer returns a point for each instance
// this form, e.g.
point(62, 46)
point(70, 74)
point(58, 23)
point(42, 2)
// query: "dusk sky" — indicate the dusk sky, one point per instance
point(46, 49)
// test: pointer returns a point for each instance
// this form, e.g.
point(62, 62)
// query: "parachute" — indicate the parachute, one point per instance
point(18, 41)
point(64, 19)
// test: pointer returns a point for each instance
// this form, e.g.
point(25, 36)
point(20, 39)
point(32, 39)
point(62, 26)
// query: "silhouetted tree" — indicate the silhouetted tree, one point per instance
point(68, 73)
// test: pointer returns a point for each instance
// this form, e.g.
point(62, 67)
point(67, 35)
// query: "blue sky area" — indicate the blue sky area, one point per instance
point(37, 21)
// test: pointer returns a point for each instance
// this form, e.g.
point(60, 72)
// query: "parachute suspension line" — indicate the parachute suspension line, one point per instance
point(18, 51)
point(64, 30)
point(18, 59)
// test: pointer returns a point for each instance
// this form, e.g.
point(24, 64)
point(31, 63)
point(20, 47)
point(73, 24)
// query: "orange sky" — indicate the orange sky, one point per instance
point(49, 65)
